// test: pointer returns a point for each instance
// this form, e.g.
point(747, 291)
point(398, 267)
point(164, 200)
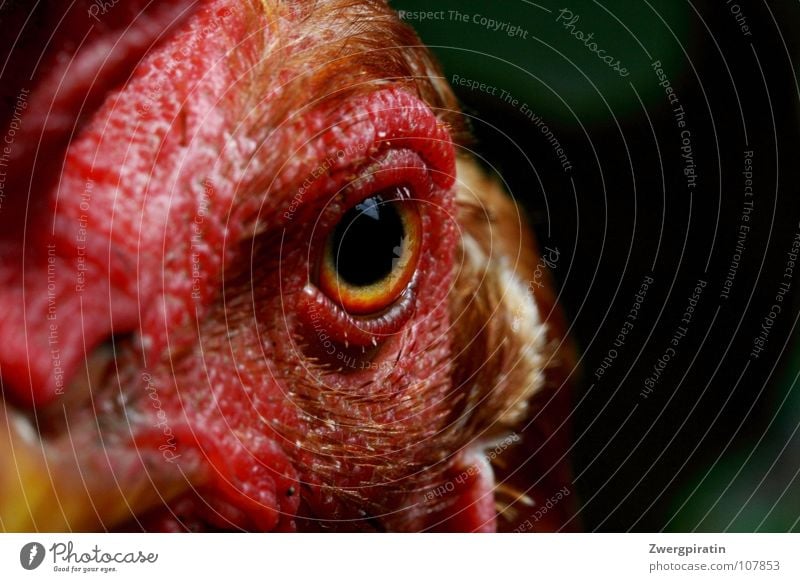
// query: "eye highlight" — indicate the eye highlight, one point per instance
point(370, 257)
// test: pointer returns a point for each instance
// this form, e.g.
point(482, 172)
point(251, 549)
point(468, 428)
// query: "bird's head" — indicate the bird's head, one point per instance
point(252, 280)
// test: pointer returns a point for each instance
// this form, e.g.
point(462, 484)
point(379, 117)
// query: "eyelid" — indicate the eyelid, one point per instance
point(395, 167)
point(315, 307)
point(391, 167)
point(330, 148)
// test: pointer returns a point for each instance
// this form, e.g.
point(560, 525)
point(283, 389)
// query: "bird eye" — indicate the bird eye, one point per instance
point(371, 255)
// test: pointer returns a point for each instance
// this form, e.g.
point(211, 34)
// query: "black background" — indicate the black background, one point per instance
point(713, 447)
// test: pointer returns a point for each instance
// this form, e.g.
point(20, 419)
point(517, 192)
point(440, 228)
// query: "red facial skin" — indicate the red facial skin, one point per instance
point(172, 220)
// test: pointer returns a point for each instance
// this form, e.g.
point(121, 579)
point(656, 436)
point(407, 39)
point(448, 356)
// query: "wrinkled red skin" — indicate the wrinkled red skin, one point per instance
point(227, 347)
point(67, 87)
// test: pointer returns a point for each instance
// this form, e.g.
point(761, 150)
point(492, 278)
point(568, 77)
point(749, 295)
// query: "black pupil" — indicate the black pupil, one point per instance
point(367, 242)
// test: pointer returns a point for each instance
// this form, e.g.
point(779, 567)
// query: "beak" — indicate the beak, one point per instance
point(76, 483)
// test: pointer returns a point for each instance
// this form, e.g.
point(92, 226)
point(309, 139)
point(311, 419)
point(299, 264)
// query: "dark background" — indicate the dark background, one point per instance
point(714, 447)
